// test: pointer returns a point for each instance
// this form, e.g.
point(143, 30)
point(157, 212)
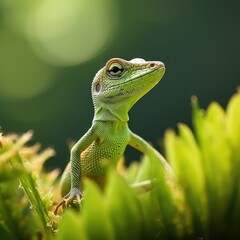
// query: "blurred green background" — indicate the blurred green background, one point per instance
point(50, 51)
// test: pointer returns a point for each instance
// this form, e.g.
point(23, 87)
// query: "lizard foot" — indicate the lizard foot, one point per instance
point(67, 199)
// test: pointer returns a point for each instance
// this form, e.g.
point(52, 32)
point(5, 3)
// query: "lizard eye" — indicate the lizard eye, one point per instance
point(115, 70)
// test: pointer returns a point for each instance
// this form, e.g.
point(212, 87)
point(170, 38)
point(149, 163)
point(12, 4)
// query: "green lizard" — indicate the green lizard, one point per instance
point(115, 89)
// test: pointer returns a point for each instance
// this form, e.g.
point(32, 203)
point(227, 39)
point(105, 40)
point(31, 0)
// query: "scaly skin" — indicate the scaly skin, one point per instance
point(115, 89)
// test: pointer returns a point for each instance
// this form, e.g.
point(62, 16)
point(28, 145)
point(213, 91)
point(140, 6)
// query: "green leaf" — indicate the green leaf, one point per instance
point(30, 187)
point(123, 208)
point(94, 215)
point(233, 131)
point(163, 201)
point(10, 174)
point(184, 155)
point(233, 120)
point(197, 118)
point(144, 170)
point(216, 155)
point(72, 227)
point(132, 172)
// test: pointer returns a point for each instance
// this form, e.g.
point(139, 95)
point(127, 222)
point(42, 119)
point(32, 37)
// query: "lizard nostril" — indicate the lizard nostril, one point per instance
point(152, 64)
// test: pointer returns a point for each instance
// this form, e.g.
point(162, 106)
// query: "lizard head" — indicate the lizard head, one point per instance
point(120, 84)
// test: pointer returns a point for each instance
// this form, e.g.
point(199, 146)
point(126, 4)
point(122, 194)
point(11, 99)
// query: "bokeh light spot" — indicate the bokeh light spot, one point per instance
point(22, 74)
point(70, 32)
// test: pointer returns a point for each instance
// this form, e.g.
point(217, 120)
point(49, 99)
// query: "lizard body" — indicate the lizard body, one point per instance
point(115, 89)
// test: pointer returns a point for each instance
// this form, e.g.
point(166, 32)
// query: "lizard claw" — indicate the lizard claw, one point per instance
point(67, 199)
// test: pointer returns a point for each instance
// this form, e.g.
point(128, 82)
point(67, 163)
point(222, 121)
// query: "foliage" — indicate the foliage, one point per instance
point(203, 202)
point(207, 167)
point(25, 196)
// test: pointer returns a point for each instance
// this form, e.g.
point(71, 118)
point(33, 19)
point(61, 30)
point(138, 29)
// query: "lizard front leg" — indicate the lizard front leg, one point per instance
point(75, 168)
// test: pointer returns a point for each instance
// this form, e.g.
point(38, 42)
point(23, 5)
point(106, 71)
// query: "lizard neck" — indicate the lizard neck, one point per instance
point(111, 113)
